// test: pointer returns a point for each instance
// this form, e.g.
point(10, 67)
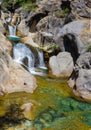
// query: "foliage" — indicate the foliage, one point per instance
point(14, 4)
point(89, 48)
point(57, 12)
point(65, 11)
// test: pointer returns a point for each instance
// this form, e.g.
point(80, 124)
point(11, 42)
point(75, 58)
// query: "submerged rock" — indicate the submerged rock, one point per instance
point(61, 65)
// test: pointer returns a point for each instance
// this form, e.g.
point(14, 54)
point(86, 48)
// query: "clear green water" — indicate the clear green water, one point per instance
point(54, 108)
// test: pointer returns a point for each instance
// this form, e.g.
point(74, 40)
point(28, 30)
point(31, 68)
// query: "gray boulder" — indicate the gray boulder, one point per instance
point(80, 81)
point(61, 65)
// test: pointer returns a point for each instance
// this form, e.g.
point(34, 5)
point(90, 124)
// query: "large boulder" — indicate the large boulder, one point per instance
point(80, 81)
point(13, 77)
point(74, 37)
point(61, 65)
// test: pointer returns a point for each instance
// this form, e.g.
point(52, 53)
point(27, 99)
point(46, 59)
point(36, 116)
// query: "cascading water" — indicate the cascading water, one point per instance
point(41, 59)
point(23, 55)
point(12, 30)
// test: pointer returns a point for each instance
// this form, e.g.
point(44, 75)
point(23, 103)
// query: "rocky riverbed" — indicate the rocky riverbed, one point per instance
point(58, 34)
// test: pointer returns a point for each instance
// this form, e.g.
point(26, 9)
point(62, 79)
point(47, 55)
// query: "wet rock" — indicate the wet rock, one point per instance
point(27, 110)
point(61, 65)
point(14, 78)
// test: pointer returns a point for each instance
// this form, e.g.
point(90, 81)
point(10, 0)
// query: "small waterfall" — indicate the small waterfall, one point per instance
point(41, 59)
point(12, 30)
point(22, 53)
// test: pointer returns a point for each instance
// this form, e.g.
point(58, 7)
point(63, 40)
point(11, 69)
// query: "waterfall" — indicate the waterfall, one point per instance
point(41, 58)
point(22, 54)
point(12, 30)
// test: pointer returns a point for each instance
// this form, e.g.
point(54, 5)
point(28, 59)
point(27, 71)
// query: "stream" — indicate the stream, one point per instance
point(53, 105)
point(54, 108)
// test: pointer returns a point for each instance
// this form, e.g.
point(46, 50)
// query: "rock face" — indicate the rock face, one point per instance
point(81, 8)
point(22, 28)
point(29, 40)
point(61, 65)
point(5, 44)
point(80, 81)
point(2, 29)
point(13, 77)
point(80, 29)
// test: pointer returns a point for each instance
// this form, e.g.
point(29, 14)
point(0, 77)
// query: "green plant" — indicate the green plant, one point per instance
point(65, 11)
point(57, 12)
point(89, 48)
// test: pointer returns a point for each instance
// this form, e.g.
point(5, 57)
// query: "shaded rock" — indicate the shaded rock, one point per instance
point(83, 84)
point(23, 28)
point(34, 17)
point(84, 61)
point(48, 28)
point(61, 65)
point(14, 78)
point(80, 8)
point(14, 20)
point(49, 6)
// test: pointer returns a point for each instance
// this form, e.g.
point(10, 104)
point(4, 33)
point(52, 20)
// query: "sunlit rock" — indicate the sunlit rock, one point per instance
point(29, 40)
point(61, 65)
point(14, 78)
point(2, 29)
point(23, 28)
point(77, 32)
point(5, 44)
